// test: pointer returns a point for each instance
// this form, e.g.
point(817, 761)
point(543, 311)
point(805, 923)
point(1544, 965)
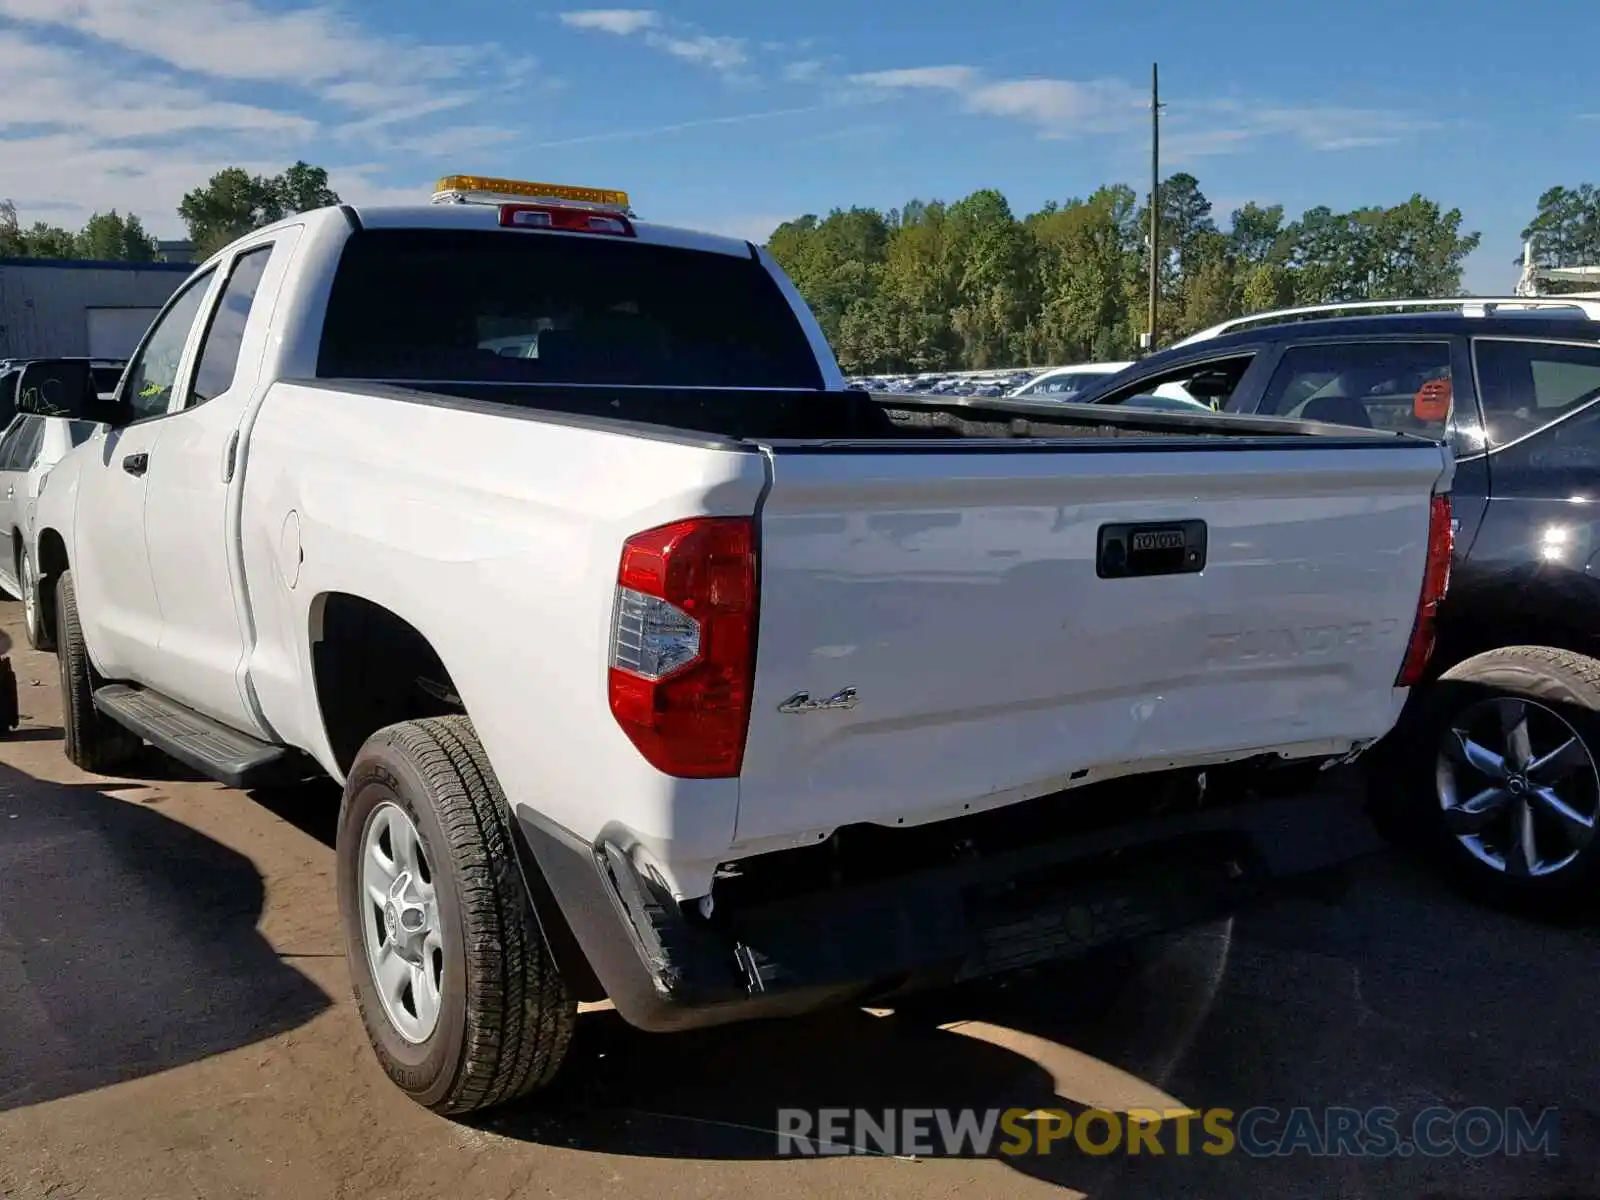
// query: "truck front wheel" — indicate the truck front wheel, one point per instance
point(462, 1001)
point(92, 741)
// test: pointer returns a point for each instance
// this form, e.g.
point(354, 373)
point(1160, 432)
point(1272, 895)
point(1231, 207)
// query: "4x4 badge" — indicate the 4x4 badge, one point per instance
point(801, 702)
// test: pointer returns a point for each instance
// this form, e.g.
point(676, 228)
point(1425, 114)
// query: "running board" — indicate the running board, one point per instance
point(223, 754)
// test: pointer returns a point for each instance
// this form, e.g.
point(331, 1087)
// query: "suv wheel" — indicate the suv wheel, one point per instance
point(32, 608)
point(1507, 775)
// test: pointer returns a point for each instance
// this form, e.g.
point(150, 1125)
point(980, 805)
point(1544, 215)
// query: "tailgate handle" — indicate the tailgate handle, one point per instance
point(1151, 548)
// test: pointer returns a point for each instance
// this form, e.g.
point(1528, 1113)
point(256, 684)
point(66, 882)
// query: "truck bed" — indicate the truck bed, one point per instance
point(940, 630)
point(786, 416)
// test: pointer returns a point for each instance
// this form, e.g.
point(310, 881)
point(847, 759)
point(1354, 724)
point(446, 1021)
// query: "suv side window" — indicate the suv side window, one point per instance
point(30, 438)
point(154, 372)
point(1567, 445)
point(1370, 385)
point(1526, 385)
point(219, 348)
point(1210, 382)
point(9, 441)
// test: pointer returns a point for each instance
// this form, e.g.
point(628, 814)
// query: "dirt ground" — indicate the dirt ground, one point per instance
point(175, 1022)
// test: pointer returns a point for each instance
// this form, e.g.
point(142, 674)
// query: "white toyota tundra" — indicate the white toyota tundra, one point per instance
point(658, 665)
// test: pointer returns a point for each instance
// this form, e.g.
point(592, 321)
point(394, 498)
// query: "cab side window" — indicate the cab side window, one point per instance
point(1524, 386)
point(8, 394)
point(154, 372)
point(219, 349)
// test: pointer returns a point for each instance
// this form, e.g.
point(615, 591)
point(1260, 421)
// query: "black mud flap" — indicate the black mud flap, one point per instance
point(10, 711)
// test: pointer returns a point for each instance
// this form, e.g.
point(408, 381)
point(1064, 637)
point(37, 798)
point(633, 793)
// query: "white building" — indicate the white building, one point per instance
point(62, 308)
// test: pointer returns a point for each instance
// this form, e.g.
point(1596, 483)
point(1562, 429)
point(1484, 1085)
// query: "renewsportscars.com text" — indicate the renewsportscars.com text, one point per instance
point(1260, 1132)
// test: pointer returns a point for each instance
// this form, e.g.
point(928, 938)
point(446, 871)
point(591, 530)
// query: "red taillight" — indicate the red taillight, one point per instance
point(683, 644)
point(567, 220)
point(1435, 582)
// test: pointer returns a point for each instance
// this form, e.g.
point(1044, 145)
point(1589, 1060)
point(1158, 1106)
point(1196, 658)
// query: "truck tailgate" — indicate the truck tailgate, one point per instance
point(941, 631)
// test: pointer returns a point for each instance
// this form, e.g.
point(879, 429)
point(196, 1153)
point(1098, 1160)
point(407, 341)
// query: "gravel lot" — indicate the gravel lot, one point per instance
point(175, 1022)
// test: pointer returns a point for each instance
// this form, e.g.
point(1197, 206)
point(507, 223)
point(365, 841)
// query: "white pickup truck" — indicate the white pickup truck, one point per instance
point(659, 666)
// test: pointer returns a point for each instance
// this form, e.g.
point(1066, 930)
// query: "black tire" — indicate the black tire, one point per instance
point(92, 741)
point(506, 1016)
point(1551, 687)
point(27, 580)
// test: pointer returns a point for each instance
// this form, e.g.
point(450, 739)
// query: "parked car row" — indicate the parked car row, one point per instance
point(1055, 384)
point(959, 383)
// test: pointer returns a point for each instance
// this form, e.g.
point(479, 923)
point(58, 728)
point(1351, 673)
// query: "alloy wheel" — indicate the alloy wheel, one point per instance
point(400, 925)
point(1517, 786)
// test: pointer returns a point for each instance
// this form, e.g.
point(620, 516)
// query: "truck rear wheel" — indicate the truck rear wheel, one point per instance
point(1506, 776)
point(462, 1001)
point(92, 741)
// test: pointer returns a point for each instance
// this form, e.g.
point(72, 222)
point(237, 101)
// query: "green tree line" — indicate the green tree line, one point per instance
point(229, 205)
point(970, 285)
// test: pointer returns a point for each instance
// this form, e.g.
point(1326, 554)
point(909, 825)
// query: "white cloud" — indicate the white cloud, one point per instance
point(621, 21)
point(1064, 107)
point(309, 48)
point(1321, 127)
point(718, 53)
point(955, 79)
point(1055, 106)
point(1059, 104)
point(119, 109)
point(805, 71)
point(651, 131)
point(722, 54)
point(132, 103)
point(66, 176)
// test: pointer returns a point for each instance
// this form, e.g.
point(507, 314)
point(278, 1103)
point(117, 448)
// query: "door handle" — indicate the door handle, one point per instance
point(11, 491)
point(136, 464)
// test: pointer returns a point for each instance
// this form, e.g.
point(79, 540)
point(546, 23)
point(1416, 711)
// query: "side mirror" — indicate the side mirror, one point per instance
point(57, 387)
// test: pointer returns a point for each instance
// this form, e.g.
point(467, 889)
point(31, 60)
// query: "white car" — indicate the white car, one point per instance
point(31, 444)
point(666, 669)
point(1066, 383)
point(1059, 383)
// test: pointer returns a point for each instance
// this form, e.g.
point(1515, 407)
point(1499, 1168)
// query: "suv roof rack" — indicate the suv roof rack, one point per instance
point(1471, 306)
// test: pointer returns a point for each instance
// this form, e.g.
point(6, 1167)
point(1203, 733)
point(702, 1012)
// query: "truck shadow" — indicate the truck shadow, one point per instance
point(128, 944)
point(1369, 986)
point(1372, 987)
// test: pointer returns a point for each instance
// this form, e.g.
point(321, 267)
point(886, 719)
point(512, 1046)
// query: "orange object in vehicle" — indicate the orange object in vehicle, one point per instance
point(1432, 401)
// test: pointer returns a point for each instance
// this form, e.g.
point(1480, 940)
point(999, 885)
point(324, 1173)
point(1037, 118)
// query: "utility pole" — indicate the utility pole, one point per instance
point(1155, 207)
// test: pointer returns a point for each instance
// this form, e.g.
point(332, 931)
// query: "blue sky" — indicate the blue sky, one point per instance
point(735, 116)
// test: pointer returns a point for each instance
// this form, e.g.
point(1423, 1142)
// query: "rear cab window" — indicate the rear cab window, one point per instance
point(1397, 385)
point(487, 306)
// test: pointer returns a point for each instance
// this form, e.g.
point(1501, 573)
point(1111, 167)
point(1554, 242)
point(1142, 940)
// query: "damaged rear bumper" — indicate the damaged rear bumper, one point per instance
point(664, 967)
